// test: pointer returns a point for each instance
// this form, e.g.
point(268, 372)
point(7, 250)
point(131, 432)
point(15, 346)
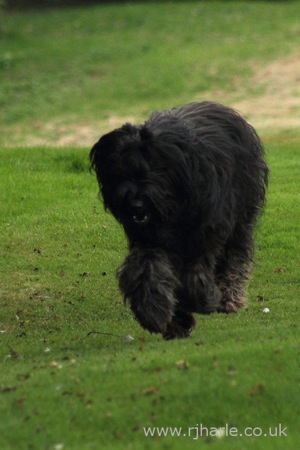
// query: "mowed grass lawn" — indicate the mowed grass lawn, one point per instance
point(71, 376)
point(63, 385)
point(75, 67)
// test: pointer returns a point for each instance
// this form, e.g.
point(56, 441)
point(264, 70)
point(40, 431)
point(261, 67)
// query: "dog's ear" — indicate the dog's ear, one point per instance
point(105, 150)
point(111, 142)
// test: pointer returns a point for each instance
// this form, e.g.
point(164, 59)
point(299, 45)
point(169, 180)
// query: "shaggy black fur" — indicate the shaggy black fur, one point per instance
point(187, 186)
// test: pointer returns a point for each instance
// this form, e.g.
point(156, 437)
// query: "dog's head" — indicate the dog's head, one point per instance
point(143, 174)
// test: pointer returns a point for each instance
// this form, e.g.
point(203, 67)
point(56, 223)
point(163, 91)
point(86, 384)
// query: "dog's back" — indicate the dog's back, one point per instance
point(210, 119)
point(221, 133)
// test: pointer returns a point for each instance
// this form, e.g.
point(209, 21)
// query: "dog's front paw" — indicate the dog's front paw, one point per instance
point(180, 327)
point(149, 284)
point(154, 313)
point(175, 331)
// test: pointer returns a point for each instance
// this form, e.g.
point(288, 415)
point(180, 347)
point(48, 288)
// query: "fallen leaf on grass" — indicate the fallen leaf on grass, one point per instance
point(151, 390)
point(12, 353)
point(128, 338)
point(278, 270)
point(22, 334)
point(7, 389)
point(182, 365)
point(89, 403)
point(232, 371)
point(59, 446)
point(20, 401)
point(56, 365)
point(259, 388)
point(23, 376)
point(214, 365)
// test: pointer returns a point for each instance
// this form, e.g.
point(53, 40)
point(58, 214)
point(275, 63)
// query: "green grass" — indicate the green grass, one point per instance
point(88, 64)
point(62, 386)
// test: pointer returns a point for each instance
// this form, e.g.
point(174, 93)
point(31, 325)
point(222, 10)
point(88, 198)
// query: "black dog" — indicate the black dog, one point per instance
point(187, 186)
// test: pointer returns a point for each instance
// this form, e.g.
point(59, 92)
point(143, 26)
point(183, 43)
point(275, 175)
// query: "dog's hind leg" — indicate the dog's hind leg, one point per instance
point(148, 282)
point(200, 293)
point(232, 272)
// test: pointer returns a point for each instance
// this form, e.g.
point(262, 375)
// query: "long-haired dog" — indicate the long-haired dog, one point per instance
point(187, 187)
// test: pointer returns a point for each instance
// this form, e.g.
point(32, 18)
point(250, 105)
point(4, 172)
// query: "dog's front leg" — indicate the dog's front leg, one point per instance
point(148, 282)
point(200, 290)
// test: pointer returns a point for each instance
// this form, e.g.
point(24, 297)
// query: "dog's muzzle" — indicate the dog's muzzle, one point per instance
point(140, 215)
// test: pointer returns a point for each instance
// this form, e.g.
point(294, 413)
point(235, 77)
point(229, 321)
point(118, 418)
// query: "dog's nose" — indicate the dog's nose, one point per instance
point(139, 212)
point(137, 204)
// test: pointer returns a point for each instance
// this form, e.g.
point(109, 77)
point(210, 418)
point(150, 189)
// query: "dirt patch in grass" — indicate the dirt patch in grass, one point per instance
point(59, 133)
point(275, 104)
point(269, 99)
